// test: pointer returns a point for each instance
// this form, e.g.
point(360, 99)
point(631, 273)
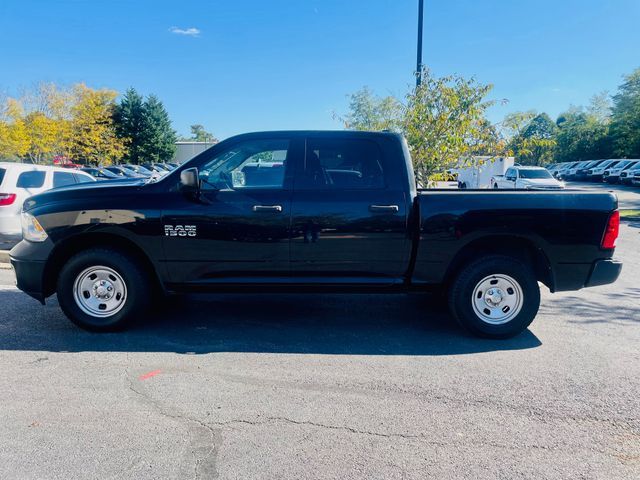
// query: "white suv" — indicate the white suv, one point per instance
point(19, 181)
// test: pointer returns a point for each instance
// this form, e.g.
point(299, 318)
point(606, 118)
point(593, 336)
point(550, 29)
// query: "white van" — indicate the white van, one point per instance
point(19, 181)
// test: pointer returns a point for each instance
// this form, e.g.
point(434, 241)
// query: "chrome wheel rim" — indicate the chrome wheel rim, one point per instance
point(100, 291)
point(497, 299)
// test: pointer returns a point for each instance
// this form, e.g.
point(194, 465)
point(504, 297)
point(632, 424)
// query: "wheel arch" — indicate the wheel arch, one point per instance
point(85, 241)
point(514, 246)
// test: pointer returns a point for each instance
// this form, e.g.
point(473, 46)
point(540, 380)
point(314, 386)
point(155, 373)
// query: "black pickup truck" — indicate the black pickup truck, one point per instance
point(311, 211)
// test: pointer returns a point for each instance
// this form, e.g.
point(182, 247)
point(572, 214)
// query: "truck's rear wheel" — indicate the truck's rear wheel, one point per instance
point(103, 289)
point(496, 296)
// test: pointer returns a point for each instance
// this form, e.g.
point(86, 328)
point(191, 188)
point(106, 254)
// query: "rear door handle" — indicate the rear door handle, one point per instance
point(384, 208)
point(267, 208)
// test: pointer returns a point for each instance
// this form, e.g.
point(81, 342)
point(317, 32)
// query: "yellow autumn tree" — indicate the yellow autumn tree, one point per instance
point(14, 139)
point(44, 136)
point(48, 120)
point(93, 137)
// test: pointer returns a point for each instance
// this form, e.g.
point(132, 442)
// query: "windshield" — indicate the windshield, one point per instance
point(605, 164)
point(592, 164)
point(542, 173)
point(105, 173)
point(630, 165)
point(141, 169)
point(623, 165)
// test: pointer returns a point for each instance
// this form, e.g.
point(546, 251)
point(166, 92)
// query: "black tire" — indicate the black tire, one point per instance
point(462, 296)
point(137, 287)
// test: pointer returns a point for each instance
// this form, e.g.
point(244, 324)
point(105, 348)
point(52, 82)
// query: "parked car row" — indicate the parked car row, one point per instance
point(625, 171)
point(145, 170)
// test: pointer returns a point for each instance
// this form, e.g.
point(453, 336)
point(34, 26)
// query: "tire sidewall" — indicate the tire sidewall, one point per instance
point(461, 299)
point(137, 285)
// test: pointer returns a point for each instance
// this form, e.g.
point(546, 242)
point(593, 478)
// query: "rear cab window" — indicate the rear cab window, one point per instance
point(344, 164)
point(31, 179)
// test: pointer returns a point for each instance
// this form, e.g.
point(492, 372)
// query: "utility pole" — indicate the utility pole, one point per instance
point(420, 28)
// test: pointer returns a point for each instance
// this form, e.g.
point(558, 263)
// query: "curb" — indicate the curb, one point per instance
point(4, 256)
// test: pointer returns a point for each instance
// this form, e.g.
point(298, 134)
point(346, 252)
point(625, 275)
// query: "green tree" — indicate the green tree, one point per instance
point(600, 107)
point(368, 111)
point(581, 136)
point(444, 122)
point(199, 134)
point(625, 122)
point(130, 124)
point(159, 139)
point(532, 140)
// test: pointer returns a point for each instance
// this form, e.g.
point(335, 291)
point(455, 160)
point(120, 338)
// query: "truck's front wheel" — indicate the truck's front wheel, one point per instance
point(102, 289)
point(496, 296)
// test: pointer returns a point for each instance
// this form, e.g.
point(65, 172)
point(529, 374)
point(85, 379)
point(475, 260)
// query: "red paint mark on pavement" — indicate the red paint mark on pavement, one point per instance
point(150, 374)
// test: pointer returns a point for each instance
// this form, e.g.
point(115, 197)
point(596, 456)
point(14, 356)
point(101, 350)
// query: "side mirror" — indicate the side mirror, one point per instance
point(190, 182)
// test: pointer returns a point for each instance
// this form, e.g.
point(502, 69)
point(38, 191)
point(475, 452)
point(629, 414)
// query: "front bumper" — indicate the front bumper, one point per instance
point(604, 272)
point(29, 261)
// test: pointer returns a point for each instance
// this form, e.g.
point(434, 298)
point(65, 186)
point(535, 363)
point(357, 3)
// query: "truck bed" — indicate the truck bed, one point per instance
point(562, 230)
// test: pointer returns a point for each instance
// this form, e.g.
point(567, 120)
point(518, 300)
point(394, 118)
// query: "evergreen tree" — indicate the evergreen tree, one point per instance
point(130, 124)
point(159, 144)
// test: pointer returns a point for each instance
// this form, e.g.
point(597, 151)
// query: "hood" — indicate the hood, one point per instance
point(84, 191)
point(539, 182)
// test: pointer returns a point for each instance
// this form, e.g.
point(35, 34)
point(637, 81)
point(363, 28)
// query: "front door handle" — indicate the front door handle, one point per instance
point(384, 208)
point(267, 208)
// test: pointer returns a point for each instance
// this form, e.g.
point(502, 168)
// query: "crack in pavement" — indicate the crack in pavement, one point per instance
point(205, 460)
point(215, 438)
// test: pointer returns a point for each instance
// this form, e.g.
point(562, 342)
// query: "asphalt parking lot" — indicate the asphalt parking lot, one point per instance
point(325, 386)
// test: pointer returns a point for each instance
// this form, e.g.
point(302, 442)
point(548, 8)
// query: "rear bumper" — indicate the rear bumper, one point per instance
point(604, 272)
point(575, 276)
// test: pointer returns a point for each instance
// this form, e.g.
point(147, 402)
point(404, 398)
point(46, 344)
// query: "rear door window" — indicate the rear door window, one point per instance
point(61, 179)
point(31, 179)
point(334, 164)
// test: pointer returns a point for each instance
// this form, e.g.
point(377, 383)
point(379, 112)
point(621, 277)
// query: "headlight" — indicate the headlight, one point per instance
point(31, 228)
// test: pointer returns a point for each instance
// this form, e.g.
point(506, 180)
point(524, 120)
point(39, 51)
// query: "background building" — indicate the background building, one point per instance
point(187, 150)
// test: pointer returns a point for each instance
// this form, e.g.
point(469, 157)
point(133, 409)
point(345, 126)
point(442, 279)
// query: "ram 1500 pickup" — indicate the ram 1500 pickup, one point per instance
point(311, 211)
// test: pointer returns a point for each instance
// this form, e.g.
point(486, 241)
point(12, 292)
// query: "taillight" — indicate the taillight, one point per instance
point(611, 233)
point(7, 199)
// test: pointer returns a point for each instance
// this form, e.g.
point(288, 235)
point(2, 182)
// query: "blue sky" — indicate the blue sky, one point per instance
point(276, 64)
